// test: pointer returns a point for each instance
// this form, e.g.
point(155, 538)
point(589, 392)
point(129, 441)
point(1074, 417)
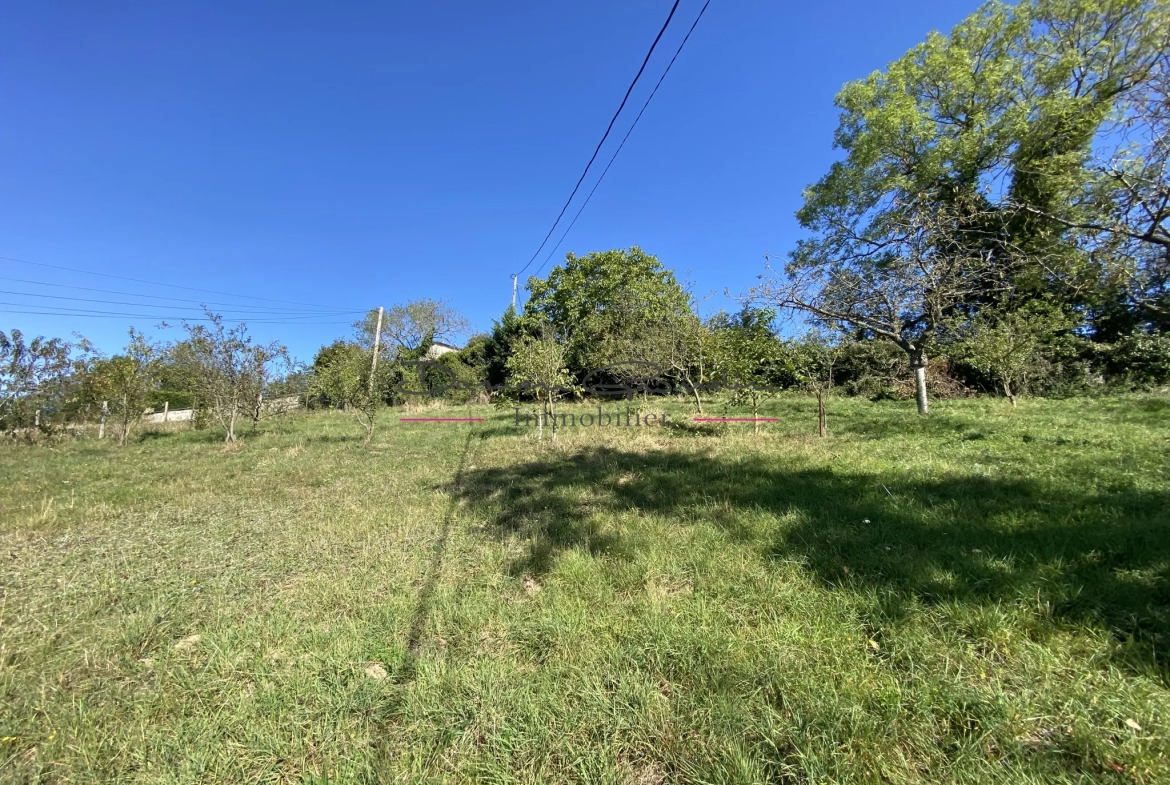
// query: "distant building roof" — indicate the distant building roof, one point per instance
point(438, 349)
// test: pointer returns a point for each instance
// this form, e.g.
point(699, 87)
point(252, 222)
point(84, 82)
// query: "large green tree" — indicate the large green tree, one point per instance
point(958, 158)
point(597, 304)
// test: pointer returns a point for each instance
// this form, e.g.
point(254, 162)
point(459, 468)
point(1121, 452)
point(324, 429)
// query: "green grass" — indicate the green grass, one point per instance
point(980, 595)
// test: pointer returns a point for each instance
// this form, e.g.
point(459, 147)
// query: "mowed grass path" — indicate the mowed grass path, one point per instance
point(980, 595)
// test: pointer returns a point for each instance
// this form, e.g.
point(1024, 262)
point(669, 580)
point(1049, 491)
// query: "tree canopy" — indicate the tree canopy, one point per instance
point(595, 304)
point(966, 166)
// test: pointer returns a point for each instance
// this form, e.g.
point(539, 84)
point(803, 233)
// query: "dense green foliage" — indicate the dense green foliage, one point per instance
point(981, 178)
point(599, 303)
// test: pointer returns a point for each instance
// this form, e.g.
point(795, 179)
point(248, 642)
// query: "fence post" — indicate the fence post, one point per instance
point(166, 410)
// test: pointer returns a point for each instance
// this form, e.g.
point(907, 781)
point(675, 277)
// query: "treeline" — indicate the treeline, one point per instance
point(619, 324)
point(47, 385)
point(608, 324)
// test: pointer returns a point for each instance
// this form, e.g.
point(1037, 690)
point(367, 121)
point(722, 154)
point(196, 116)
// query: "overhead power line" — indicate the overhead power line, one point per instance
point(157, 283)
point(84, 313)
point(237, 309)
point(200, 301)
point(626, 137)
point(604, 136)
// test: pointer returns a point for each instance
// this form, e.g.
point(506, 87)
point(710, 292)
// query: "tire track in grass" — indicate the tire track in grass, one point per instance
point(408, 669)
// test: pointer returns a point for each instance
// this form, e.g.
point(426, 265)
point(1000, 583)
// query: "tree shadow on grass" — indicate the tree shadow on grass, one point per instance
point(548, 504)
point(152, 436)
point(1098, 558)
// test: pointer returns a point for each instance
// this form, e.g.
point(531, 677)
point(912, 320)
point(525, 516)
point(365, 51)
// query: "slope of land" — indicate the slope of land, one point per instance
point(983, 594)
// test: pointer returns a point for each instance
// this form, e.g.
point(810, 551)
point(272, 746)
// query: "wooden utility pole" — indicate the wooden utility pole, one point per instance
point(377, 343)
point(513, 292)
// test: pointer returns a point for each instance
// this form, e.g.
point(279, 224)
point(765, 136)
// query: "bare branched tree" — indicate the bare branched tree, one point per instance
point(900, 277)
point(226, 369)
point(410, 327)
point(671, 339)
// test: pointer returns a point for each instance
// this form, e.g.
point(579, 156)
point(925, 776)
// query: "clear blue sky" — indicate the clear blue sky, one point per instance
point(363, 154)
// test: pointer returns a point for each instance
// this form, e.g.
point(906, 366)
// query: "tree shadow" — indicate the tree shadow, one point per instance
point(153, 435)
point(408, 668)
point(340, 438)
point(1096, 558)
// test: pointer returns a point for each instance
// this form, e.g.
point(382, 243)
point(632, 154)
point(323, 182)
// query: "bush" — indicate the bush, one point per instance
point(1070, 365)
point(874, 369)
point(1140, 360)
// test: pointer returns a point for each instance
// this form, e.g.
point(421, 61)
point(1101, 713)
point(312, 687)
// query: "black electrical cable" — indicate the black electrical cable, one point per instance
point(232, 308)
point(156, 283)
point(605, 136)
point(626, 137)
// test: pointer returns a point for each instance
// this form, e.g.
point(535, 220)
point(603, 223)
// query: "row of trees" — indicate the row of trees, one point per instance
point(220, 370)
point(608, 323)
point(618, 323)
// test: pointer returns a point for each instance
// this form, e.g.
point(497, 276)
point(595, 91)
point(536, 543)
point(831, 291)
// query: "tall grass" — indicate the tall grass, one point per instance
point(981, 595)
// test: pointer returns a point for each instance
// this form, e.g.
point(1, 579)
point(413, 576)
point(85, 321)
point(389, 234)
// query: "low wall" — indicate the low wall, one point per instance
point(174, 415)
point(287, 403)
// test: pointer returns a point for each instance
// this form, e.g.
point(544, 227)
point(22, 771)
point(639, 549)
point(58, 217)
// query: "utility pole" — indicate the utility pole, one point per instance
point(513, 292)
point(377, 342)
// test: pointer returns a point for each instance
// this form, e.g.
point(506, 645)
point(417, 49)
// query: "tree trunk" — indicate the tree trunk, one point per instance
point(822, 423)
point(256, 413)
point(756, 415)
point(540, 423)
point(694, 392)
point(230, 435)
point(1007, 388)
point(105, 416)
point(553, 408)
point(125, 421)
point(918, 363)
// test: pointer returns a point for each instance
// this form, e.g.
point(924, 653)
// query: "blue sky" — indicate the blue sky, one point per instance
point(350, 155)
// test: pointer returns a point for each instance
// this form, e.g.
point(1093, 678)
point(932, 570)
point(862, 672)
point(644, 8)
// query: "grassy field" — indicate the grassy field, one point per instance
point(982, 595)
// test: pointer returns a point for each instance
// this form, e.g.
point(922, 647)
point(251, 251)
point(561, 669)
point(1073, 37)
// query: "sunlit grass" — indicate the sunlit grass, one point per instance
point(981, 595)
